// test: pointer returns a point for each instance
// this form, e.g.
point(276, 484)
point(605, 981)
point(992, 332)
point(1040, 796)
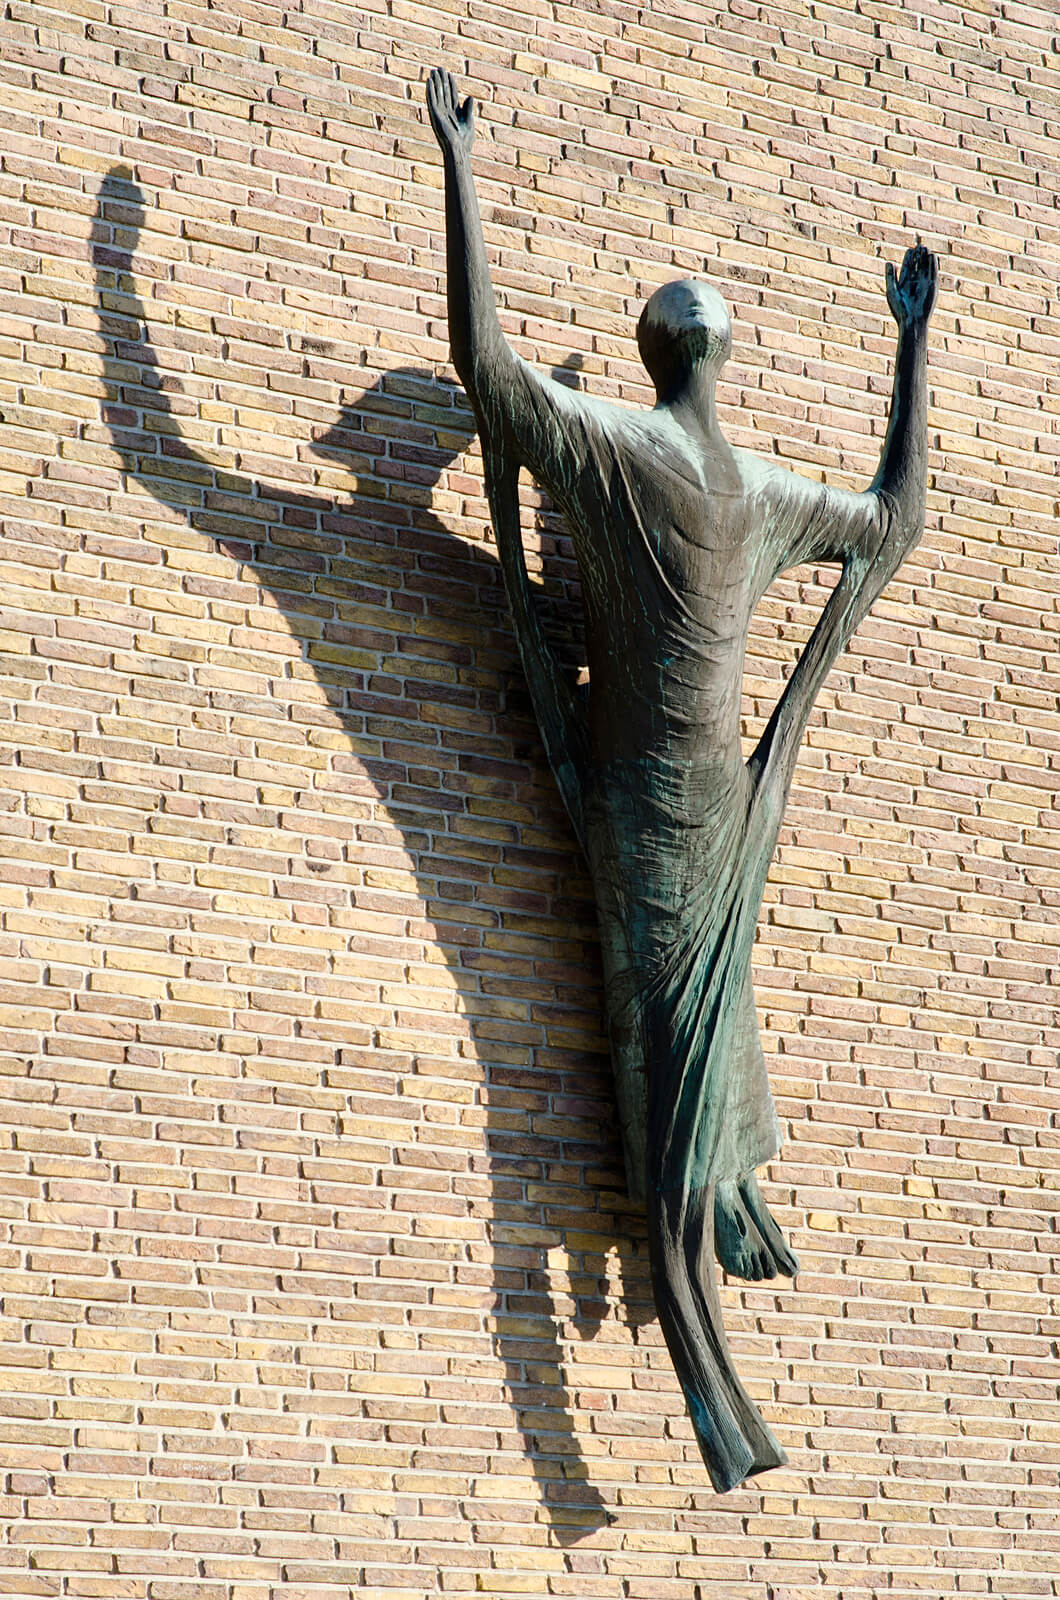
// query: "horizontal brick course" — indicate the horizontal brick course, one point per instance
point(317, 1275)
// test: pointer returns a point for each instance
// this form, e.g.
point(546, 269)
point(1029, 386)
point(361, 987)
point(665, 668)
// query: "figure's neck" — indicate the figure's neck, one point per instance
point(692, 403)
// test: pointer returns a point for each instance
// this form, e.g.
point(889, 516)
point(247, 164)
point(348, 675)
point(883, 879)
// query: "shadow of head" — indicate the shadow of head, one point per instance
point(402, 432)
point(443, 424)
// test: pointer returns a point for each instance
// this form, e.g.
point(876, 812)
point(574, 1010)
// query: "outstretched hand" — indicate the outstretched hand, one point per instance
point(453, 123)
point(911, 295)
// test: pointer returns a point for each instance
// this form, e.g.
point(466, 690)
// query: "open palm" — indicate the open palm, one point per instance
point(911, 294)
point(453, 123)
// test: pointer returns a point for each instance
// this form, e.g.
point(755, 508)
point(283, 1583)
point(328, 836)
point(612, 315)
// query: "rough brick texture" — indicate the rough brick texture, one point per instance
point(317, 1275)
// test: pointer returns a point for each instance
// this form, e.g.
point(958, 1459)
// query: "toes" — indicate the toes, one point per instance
point(747, 1241)
point(788, 1263)
point(782, 1258)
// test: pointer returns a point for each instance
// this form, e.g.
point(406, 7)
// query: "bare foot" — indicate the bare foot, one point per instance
point(784, 1258)
point(737, 1241)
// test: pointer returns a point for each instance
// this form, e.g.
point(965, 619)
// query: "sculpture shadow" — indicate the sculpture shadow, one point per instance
point(333, 566)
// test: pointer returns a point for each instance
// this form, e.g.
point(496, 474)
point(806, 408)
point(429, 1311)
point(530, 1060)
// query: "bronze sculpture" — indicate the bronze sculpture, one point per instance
point(677, 536)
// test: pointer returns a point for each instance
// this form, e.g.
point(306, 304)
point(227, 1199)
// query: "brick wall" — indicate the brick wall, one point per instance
point(317, 1275)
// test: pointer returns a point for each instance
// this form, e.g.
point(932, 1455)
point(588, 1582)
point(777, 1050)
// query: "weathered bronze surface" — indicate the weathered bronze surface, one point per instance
point(677, 537)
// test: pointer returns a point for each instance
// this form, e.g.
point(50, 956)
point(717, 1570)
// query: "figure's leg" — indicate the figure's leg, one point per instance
point(699, 1254)
point(732, 1435)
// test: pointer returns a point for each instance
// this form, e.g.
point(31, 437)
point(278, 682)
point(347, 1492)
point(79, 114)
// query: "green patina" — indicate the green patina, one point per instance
point(677, 537)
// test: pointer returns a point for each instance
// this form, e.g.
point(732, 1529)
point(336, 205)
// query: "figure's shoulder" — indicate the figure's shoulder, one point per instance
point(609, 419)
point(630, 435)
point(774, 484)
point(761, 475)
point(649, 432)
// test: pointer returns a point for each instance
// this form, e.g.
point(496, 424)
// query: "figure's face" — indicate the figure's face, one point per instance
point(686, 322)
point(689, 304)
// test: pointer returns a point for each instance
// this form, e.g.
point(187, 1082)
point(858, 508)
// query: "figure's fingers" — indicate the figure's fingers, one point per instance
point(467, 112)
point(892, 286)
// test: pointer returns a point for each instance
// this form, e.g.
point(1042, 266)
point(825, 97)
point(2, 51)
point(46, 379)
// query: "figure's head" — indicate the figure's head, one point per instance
point(683, 326)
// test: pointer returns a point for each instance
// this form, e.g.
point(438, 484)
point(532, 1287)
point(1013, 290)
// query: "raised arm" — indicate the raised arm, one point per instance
point(813, 522)
point(870, 534)
point(474, 333)
point(520, 418)
point(543, 425)
point(901, 478)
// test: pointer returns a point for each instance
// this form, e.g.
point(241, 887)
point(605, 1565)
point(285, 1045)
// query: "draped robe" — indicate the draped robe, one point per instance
point(676, 540)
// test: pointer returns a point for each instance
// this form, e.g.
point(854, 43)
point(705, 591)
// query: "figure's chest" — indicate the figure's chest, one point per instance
point(700, 550)
point(664, 550)
point(704, 561)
